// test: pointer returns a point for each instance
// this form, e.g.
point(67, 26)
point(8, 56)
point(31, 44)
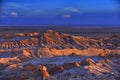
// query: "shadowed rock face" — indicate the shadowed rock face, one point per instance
point(55, 70)
point(70, 65)
point(113, 55)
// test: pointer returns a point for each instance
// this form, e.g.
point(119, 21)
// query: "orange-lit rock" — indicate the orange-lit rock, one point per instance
point(87, 61)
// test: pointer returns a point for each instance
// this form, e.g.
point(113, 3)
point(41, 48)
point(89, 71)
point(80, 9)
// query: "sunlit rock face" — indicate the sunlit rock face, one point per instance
point(62, 44)
point(56, 55)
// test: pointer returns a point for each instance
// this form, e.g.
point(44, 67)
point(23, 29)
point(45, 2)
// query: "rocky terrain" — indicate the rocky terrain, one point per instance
point(59, 56)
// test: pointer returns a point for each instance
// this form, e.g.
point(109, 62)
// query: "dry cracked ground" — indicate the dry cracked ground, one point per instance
point(52, 55)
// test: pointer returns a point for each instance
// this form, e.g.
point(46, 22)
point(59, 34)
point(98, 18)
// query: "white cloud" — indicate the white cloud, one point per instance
point(13, 14)
point(67, 16)
point(72, 9)
point(26, 9)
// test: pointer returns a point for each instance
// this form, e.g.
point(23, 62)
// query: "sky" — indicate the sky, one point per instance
point(59, 12)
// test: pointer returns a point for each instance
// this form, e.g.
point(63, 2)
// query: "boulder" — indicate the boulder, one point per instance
point(87, 61)
point(73, 54)
point(42, 72)
point(107, 61)
point(102, 55)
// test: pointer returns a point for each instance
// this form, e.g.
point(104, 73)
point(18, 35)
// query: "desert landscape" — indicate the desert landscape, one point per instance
point(59, 39)
point(59, 55)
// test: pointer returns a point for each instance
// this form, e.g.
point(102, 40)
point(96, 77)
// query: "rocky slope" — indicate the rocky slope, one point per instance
point(61, 44)
point(64, 56)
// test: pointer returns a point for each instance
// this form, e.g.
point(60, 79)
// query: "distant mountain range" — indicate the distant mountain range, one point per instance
point(63, 28)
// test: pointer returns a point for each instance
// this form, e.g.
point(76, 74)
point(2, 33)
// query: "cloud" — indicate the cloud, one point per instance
point(24, 9)
point(29, 9)
point(71, 9)
point(67, 16)
point(13, 14)
point(10, 8)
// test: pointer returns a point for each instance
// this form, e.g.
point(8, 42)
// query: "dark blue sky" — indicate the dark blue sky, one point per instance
point(59, 12)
